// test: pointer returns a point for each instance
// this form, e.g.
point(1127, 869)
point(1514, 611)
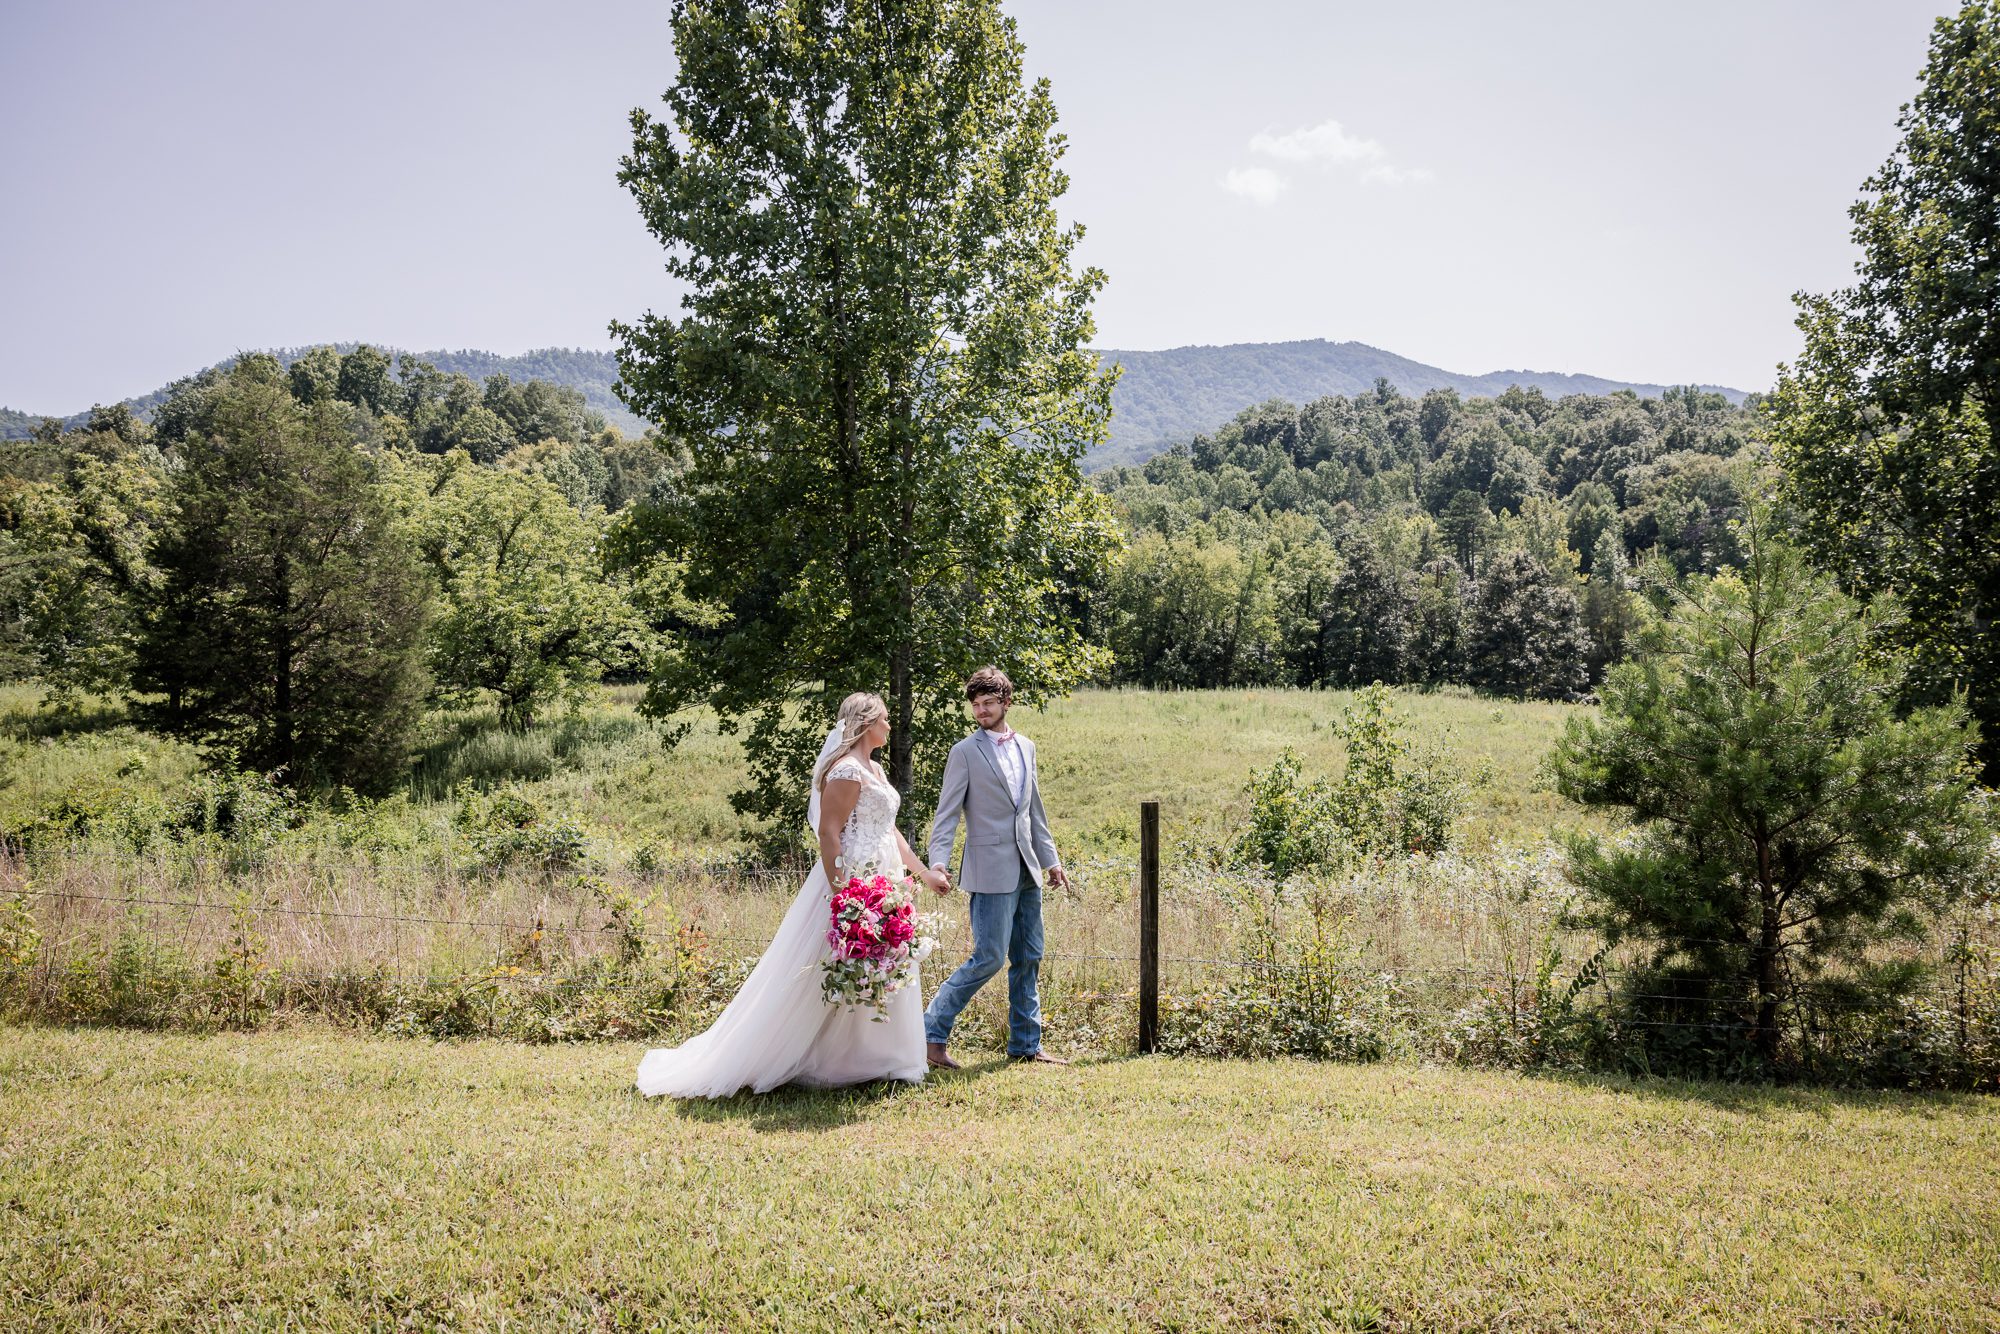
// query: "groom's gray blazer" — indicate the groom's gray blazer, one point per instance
point(999, 834)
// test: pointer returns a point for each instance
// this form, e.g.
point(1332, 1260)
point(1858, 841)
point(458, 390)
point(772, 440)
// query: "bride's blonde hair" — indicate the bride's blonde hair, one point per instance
point(858, 712)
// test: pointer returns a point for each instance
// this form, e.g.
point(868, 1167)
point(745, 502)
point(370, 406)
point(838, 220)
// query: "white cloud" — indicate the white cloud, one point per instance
point(1329, 144)
point(1260, 185)
point(1324, 142)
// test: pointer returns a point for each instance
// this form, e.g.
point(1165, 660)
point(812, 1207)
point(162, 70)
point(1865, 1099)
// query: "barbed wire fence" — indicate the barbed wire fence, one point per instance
point(1431, 990)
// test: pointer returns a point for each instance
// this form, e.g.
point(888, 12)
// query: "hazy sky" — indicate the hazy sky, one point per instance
point(1631, 190)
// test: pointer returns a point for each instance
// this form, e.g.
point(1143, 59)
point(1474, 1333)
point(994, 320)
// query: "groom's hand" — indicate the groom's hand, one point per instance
point(943, 886)
point(1058, 880)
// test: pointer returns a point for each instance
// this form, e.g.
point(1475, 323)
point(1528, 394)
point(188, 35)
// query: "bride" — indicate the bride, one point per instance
point(778, 1029)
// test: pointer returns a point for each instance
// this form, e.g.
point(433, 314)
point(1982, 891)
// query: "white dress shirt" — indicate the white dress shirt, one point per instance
point(1013, 764)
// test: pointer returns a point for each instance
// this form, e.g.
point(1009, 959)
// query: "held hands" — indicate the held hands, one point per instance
point(937, 877)
point(1057, 878)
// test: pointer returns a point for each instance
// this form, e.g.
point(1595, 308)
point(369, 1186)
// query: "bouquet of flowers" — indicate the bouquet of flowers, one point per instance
point(878, 939)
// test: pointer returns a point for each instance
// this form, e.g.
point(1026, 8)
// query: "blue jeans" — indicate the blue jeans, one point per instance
point(1006, 929)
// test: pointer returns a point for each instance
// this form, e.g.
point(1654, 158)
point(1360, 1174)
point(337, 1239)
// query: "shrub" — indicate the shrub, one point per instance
point(374, 824)
point(241, 979)
point(146, 981)
point(1313, 1000)
point(81, 809)
point(243, 811)
point(1391, 800)
point(1542, 1025)
point(220, 808)
point(20, 946)
point(1302, 988)
point(506, 827)
point(1291, 825)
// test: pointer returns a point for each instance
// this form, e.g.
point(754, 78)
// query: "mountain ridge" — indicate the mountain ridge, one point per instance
point(1162, 396)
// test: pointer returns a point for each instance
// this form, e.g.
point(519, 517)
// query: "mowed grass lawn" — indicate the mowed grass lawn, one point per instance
point(312, 1179)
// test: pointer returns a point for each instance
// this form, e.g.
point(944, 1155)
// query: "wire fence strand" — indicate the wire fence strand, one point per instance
point(1469, 979)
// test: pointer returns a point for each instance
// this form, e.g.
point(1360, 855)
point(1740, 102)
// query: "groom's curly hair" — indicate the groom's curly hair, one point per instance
point(990, 681)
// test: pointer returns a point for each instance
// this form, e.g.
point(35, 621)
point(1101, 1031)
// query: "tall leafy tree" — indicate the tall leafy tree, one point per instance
point(1466, 525)
point(75, 538)
point(286, 619)
point(537, 409)
point(1525, 631)
point(1592, 509)
point(1788, 820)
point(1437, 623)
point(1305, 567)
point(525, 609)
point(365, 382)
point(315, 375)
point(1611, 611)
point(1367, 636)
point(881, 369)
point(1885, 423)
point(24, 562)
point(1196, 610)
point(1541, 528)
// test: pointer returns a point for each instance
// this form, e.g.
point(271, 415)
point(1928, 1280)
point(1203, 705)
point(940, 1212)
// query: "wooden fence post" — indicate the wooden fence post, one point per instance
point(1149, 926)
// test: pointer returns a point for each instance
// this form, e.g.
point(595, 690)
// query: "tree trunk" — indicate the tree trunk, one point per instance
point(902, 688)
point(1764, 962)
point(517, 711)
point(284, 728)
point(902, 677)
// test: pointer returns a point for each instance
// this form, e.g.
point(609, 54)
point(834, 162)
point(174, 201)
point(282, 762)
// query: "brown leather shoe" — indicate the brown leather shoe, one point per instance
point(1039, 1058)
point(939, 1058)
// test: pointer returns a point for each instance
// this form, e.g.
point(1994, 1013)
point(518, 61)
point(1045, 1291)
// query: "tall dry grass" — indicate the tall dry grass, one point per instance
point(545, 862)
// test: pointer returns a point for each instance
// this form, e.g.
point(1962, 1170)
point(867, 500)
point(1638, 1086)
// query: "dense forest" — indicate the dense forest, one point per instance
point(1505, 543)
point(288, 561)
point(464, 539)
point(589, 373)
point(1161, 397)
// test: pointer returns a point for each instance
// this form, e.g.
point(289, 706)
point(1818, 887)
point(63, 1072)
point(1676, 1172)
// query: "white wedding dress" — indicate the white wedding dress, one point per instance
point(779, 1029)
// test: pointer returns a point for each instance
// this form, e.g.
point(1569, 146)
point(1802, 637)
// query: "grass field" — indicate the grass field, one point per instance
point(397, 915)
point(309, 1179)
point(391, 888)
point(1103, 751)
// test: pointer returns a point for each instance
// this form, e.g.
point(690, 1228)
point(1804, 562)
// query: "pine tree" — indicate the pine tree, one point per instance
point(1788, 819)
point(284, 626)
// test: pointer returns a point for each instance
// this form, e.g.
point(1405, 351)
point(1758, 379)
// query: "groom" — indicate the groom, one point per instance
point(989, 781)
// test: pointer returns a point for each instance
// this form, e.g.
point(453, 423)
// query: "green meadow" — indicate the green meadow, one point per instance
point(1103, 751)
point(335, 890)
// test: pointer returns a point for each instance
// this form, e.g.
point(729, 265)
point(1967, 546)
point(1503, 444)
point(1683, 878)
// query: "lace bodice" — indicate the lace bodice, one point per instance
point(868, 840)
